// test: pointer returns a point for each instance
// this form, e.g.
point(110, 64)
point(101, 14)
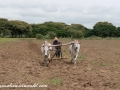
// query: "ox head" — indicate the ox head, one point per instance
point(75, 45)
point(46, 47)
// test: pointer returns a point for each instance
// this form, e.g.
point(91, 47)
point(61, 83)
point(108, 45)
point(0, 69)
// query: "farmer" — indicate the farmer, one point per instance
point(57, 48)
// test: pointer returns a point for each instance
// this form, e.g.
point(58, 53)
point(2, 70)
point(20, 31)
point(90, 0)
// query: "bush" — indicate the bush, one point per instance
point(39, 36)
point(78, 34)
point(75, 33)
point(50, 35)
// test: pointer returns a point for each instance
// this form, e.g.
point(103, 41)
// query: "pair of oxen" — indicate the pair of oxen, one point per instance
point(74, 48)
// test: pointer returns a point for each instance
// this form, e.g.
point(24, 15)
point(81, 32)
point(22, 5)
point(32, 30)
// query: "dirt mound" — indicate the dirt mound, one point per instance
point(97, 66)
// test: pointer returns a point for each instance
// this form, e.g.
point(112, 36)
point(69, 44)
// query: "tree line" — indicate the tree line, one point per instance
point(18, 28)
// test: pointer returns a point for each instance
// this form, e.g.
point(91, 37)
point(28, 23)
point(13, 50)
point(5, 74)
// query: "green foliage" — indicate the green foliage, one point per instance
point(51, 35)
point(78, 27)
point(3, 23)
point(56, 27)
point(118, 33)
point(88, 33)
point(74, 33)
point(78, 34)
point(62, 33)
point(39, 36)
point(19, 27)
point(3, 26)
point(104, 29)
point(46, 27)
point(55, 81)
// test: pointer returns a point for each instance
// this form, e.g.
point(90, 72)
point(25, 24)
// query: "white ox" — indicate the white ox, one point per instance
point(74, 49)
point(45, 49)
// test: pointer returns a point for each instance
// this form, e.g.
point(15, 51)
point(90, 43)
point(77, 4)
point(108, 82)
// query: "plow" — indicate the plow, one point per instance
point(61, 54)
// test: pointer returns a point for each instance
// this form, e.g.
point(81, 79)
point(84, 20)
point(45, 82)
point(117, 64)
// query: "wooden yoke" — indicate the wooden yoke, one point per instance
point(60, 45)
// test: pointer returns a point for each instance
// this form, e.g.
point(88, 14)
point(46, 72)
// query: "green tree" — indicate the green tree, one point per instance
point(74, 33)
point(44, 28)
point(104, 29)
point(39, 29)
point(39, 36)
point(118, 28)
point(51, 35)
point(78, 34)
point(18, 27)
point(62, 33)
point(3, 26)
point(78, 27)
point(88, 33)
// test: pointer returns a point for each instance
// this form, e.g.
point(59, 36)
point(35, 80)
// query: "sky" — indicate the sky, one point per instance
point(85, 12)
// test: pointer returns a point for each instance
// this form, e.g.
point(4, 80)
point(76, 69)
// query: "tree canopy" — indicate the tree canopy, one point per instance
point(105, 29)
point(3, 26)
point(17, 28)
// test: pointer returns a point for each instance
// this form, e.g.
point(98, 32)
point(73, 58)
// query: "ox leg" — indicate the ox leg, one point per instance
point(74, 62)
point(47, 62)
point(75, 57)
point(72, 57)
point(44, 62)
point(48, 58)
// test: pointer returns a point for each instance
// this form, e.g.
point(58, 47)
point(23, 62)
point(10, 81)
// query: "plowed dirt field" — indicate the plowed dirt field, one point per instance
point(97, 67)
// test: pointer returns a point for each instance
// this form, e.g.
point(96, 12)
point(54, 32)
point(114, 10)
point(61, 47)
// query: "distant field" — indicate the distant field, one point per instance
point(7, 40)
point(4, 40)
point(63, 40)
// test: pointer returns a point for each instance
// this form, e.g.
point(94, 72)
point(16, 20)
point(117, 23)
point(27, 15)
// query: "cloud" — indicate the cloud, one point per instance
point(85, 12)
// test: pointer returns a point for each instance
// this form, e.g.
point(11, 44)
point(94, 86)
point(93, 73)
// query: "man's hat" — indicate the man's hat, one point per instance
point(55, 38)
